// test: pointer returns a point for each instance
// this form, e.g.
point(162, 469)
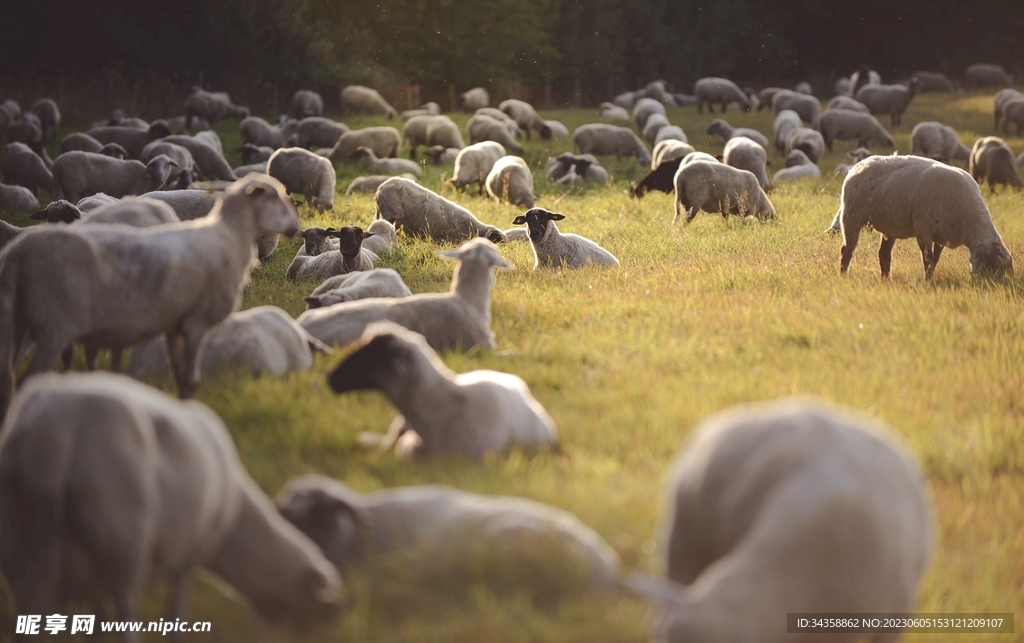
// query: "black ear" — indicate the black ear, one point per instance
point(520, 220)
point(39, 215)
point(331, 232)
point(312, 302)
point(367, 235)
point(557, 217)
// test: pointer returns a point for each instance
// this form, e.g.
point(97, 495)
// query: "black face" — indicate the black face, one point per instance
point(316, 239)
point(536, 221)
point(351, 240)
point(361, 369)
point(582, 165)
point(58, 212)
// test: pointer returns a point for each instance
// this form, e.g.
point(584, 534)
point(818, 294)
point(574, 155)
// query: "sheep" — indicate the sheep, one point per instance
point(474, 99)
point(414, 132)
point(585, 166)
point(302, 172)
point(809, 141)
point(470, 414)
point(934, 82)
point(785, 122)
point(765, 96)
point(669, 150)
point(937, 141)
point(889, 99)
point(845, 125)
point(905, 197)
point(719, 90)
point(787, 507)
point(842, 85)
point(384, 141)
point(510, 180)
point(186, 168)
point(315, 132)
point(125, 285)
point(663, 176)
point(526, 117)
point(987, 75)
point(252, 154)
point(1002, 99)
point(657, 90)
point(612, 112)
point(365, 157)
point(798, 166)
point(482, 128)
point(211, 139)
point(140, 212)
point(8, 232)
point(12, 107)
point(79, 174)
point(716, 187)
point(306, 103)
point(422, 213)
point(384, 239)
point(552, 249)
point(847, 102)
point(242, 170)
point(377, 283)
point(558, 130)
point(210, 163)
point(96, 201)
point(742, 153)
point(349, 257)
point(16, 198)
point(370, 183)
point(130, 138)
point(79, 141)
point(670, 133)
point(511, 125)
point(188, 205)
point(857, 155)
point(427, 109)
point(602, 139)
point(48, 113)
point(804, 87)
point(474, 163)
point(806, 106)
point(356, 99)
point(441, 155)
point(259, 132)
point(991, 160)
point(211, 107)
point(457, 320)
point(177, 123)
point(138, 488)
point(861, 77)
point(28, 130)
point(721, 128)
point(644, 109)
point(1013, 112)
point(654, 124)
point(627, 100)
point(21, 166)
point(450, 526)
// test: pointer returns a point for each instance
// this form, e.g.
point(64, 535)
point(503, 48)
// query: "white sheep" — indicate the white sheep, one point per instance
point(988, 75)
point(443, 131)
point(782, 508)
point(807, 140)
point(363, 184)
point(15, 198)
point(482, 128)
point(90, 203)
point(356, 99)
point(471, 414)
point(511, 125)
point(716, 187)
point(765, 96)
point(889, 99)
point(349, 257)
point(662, 176)
point(187, 204)
point(139, 212)
point(127, 284)
point(423, 213)
point(21, 166)
point(80, 174)
point(48, 113)
point(384, 239)
point(558, 129)
point(457, 320)
point(845, 125)
point(654, 124)
point(742, 153)
point(368, 284)
point(937, 141)
point(315, 131)
point(806, 106)
point(302, 172)
point(8, 232)
point(384, 141)
point(609, 140)
point(585, 166)
point(474, 163)
point(670, 133)
point(510, 180)
point(798, 166)
point(722, 91)
point(185, 168)
point(79, 142)
point(1002, 98)
point(366, 159)
point(474, 99)
point(935, 82)
point(644, 109)
point(441, 155)
point(804, 87)
point(721, 128)
point(525, 116)
point(306, 103)
point(992, 161)
point(847, 102)
point(130, 138)
point(427, 109)
point(138, 488)
point(553, 249)
point(627, 100)
point(669, 150)
point(612, 112)
point(211, 107)
point(256, 131)
point(785, 122)
point(211, 162)
point(910, 197)
point(414, 132)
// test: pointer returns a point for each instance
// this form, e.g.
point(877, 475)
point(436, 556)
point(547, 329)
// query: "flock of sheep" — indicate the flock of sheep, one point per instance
point(108, 486)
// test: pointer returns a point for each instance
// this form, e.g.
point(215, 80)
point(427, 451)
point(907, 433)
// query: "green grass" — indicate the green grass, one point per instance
point(628, 361)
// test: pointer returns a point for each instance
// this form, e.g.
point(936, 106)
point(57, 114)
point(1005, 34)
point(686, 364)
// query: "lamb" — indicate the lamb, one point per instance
point(79, 174)
point(356, 99)
point(847, 102)
point(809, 141)
point(602, 139)
point(130, 138)
point(1002, 98)
point(377, 283)
point(140, 212)
point(211, 107)
point(349, 257)
point(363, 184)
point(181, 175)
point(934, 82)
point(987, 75)
point(785, 122)
point(669, 150)
point(314, 132)
point(889, 99)
point(808, 107)
point(552, 249)
point(845, 125)
point(122, 285)
point(721, 128)
point(384, 141)
point(482, 128)
point(798, 166)
point(21, 166)
point(526, 117)
point(210, 163)
point(302, 172)
point(510, 180)
point(612, 112)
point(937, 141)
point(787, 507)
point(471, 414)
point(906, 197)
point(48, 113)
point(716, 187)
point(449, 526)
point(742, 153)
point(306, 103)
point(384, 239)
point(585, 166)
point(474, 163)
point(992, 161)
point(259, 132)
point(474, 99)
point(719, 90)
point(15, 198)
point(441, 155)
point(153, 495)
point(365, 157)
point(655, 123)
point(644, 109)
point(422, 213)
point(457, 320)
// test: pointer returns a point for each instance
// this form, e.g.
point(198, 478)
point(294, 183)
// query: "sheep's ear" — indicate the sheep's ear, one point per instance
point(312, 302)
point(332, 232)
point(315, 344)
point(295, 201)
point(39, 215)
point(454, 253)
point(520, 220)
point(367, 235)
point(256, 189)
point(556, 217)
point(662, 591)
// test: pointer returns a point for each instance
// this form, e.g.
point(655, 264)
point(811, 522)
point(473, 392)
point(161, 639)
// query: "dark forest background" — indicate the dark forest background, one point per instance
point(573, 51)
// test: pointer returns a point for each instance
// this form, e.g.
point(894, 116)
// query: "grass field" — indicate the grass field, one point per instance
point(629, 360)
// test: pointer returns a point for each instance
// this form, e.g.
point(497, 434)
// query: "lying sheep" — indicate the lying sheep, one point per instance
point(15, 198)
point(846, 125)
point(511, 180)
point(992, 161)
point(558, 129)
point(889, 99)
point(349, 257)
point(306, 103)
point(384, 239)
point(139, 212)
point(366, 159)
point(130, 138)
point(363, 184)
point(807, 107)
point(314, 132)
point(302, 172)
point(474, 99)
point(21, 166)
point(787, 507)
point(905, 197)
point(552, 249)
point(457, 320)
point(934, 82)
point(987, 75)
point(719, 127)
point(474, 164)
point(471, 414)
point(257, 154)
point(716, 187)
point(441, 155)
point(785, 122)
point(526, 117)
point(744, 154)
point(937, 141)
point(48, 113)
point(482, 128)
point(370, 284)
point(126, 285)
point(427, 109)
point(798, 166)
point(807, 140)
point(422, 213)
point(585, 166)
point(847, 102)
point(669, 150)
point(356, 99)
point(609, 140)
point(140, 488)
point(511, 125)
point(79, 174)
point(719, 90)
point(212, 107)
point(644, 109)
point(450, 526)
point(211, 164)
point(655, 123)
point(384, 141)
point(612, 112)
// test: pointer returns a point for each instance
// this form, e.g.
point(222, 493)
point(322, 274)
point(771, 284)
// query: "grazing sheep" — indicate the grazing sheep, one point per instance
point(1013, 112)
point(15, 198)
point(414, 132)
point(612, 112)
point(986, 75)
point(765, 97)
point(654, 124)
point(847, 102)
point(552, 249)
point(212, 107)
point(807, 107)
point(717, 187)
point(889, 99)
point(482, 128)
point(934, 82)
point(861, 77)
point(48, 113)
point(719, 127)
point(257, 154)
point(498, 115)
point(365, 157)
point(474, 163)
point(125, 285)
point(719, 90)
point(742, 153)
point(608, 140)
point(937, 141)
point(474, 99)
point(991, 160)
point(211, 139)
point(846, 125)
point(187, 204)
point(584, 166)
point(80, 174)
point(669, 150)
point(510, 180)
point(427, 109)
point(663, 176)
point(1002, 99)
point(356, 99)
point(450, 526)
point(138, 488)
point(131, 139)
point(857, 155)
point(79, 142)
point(627, 100)
point(457, 320)
point(314, 132)
point(349, 257)
point(904, 197)
point(558, 130)
point(525, 117)
point(306, 103)
point(422, 213)
point(302, 172)
point(644, 109)
point(785, 122)
point(256, 131)
point(363, 184)
point(384, 141)
point(368, 284)
point(21, 166)
point(28, 130)
point(804, 87)
point(211, 163)
point(798, 166)
point(809, 141)
point(787, 507)
point(441, 155)
point(471, 414)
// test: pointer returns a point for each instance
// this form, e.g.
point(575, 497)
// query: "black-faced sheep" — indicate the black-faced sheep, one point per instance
point(553, 249)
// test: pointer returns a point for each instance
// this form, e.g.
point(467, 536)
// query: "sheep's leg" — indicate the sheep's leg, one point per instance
point(412, 151)
point(936, 251)
point(849, 245)
point(178, 606)
point(47, 354)
point(691, 214)
point(128, 610)
point(885, 255)
point(724, 105)
point(189, 377)
point(116, 354)
point(91, 351)
point(926, 257)
point(67, 356)
point(700, 107)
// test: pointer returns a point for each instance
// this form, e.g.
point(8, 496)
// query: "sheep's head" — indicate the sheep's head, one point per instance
point(360, 153)
point(718, 127)
point(242, 112)
point(159, 170)
point(797, 157)
point(58, 212)
point(545, 131)
point(991, 260)
point(536, 221)
point(434, 153)
point(317, 239)
point(859, 154)
point(384, 353)
point(326, 511)
point(159, 129)
point(114, 150)
point(478, 250)
point(267, 199)
point(351, 238)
